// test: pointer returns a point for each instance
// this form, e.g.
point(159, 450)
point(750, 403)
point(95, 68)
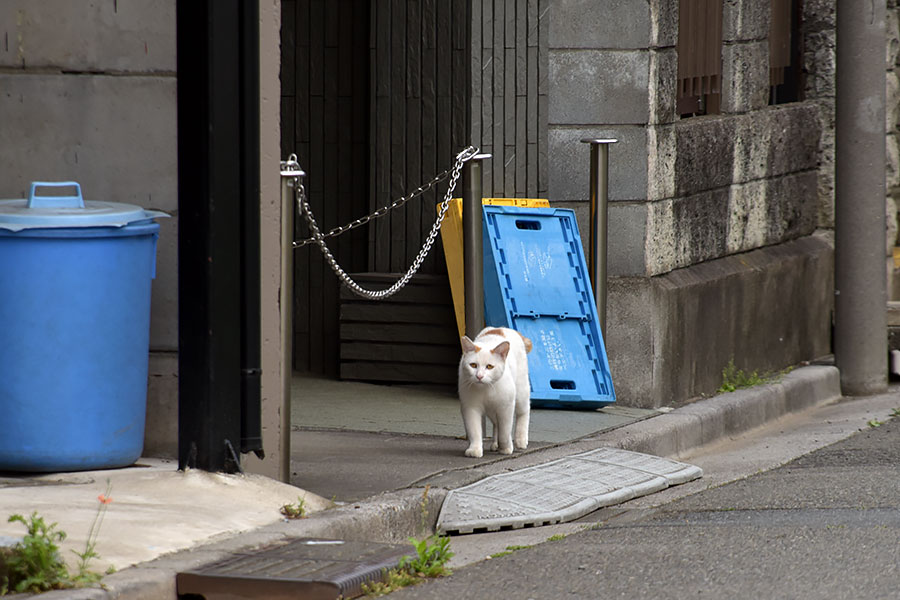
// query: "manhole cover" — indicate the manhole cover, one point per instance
point(559, 491)
point(310, 568)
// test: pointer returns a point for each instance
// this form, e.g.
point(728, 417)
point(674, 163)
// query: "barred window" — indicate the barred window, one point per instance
point(699, 57)
point(785, 51)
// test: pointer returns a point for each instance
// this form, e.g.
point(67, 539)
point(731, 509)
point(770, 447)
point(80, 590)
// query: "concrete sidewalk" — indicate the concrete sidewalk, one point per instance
point(162, 521)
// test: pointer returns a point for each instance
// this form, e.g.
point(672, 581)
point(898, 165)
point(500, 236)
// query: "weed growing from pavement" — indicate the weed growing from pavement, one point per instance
point(556, 538)
point(34, 565)
point(875, 423)
point(430, 560)
point(295, 511)
point(84, 576)
point(736, 379)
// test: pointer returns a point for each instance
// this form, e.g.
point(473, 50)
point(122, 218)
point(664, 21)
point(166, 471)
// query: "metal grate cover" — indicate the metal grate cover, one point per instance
point(559, 491)
point(315, 569)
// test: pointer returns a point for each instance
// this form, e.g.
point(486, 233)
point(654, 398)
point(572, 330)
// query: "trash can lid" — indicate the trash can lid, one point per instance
point(68, 211)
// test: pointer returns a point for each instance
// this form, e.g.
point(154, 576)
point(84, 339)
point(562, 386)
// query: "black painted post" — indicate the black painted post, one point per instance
point(218, 245)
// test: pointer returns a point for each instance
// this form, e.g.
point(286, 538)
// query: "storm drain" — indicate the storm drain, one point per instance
point(559, 491)
point(314, 569)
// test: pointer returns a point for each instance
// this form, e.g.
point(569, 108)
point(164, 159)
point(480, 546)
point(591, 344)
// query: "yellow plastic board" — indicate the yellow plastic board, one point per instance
point(452, 238)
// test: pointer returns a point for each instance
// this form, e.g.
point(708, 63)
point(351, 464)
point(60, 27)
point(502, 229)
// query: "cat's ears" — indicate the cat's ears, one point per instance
point(502, 349)
point(467, 344)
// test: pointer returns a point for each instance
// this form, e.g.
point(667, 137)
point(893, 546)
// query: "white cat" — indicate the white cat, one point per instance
point(493, 382)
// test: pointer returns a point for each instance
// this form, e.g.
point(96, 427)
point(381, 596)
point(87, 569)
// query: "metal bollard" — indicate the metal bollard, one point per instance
point(599, 197)
point(291, 175)
point(473, 251)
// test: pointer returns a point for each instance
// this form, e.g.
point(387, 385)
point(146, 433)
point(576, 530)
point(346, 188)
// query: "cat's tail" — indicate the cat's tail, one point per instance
point(527, 342)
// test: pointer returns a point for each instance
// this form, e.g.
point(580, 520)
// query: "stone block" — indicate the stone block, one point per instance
point(625, 235)
point(625, 243)
point(771, 211)
point(161, 428)
point(819, 62)
point(685, 231)
point(630, 315)
point(747, 226)
point(825, 202)
point(892, 154)
point(615, 24)
point(892, 33)
point(704, 153)
point(819, 15)
point(775, 141)
point(114, 135)
point(744, 20)
point(890, 217)
point(569, 161)
point(741, 217)
point(793, 131)
point(598, 86)
point(790, 206)
point(124, 37)
point(662, 79)
point(745, 76)
point(663, 23)
point(661, 155)
point(892, 102)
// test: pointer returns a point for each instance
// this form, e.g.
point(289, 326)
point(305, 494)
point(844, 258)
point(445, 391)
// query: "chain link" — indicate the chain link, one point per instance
point(388, 208)
point(319, 238)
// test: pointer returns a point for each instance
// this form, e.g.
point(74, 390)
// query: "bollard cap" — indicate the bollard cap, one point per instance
point(599, 141)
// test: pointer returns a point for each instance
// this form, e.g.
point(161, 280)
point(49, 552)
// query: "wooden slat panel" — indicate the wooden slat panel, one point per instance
point(397, 218)
point(429, 75)
point(429, 289)
point(402, 353)
point(288, 73)
point(498, 115)
point(364, 371)
point(319, 117)
point(521, 148)
point(399, 332)
point(432, 314)
point(543, 99)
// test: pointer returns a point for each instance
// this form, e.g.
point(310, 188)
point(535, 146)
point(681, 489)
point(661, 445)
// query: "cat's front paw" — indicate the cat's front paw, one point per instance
point(494, 446)
point(506, 449)
point(521, 443)
point(473, 452)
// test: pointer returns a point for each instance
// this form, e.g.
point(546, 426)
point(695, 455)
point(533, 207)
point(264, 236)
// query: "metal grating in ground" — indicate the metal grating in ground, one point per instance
point(559, 491)
point(315, 569)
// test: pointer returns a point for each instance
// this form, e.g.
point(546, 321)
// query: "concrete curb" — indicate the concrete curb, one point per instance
point(395, 516)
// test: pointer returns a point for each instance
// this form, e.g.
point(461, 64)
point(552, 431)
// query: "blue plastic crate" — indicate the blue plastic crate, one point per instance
point(535, 281)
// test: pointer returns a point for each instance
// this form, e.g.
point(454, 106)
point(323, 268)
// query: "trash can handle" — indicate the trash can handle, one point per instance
point(75, 201)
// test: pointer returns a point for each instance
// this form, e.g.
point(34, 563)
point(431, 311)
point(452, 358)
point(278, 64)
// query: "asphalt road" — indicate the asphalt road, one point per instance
point(826, 525)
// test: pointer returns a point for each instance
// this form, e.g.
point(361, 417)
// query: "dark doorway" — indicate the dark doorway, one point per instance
point(374, 105)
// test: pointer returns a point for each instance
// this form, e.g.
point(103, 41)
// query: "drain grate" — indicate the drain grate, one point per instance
point(559, 491)
point(316, 569)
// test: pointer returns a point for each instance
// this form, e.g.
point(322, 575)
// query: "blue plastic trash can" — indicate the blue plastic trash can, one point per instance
point(75, 282)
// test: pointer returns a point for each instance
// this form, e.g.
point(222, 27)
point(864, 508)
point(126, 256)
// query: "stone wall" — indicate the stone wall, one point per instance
point(88, 93)
point(892, 116)
point(711, 247)
point(819, 64)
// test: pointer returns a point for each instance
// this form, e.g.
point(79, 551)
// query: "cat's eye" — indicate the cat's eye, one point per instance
point(489, 367)
point(473, 365)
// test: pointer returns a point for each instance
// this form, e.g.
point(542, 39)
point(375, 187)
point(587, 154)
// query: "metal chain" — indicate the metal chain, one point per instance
point(319, 237)
point(388, 208)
